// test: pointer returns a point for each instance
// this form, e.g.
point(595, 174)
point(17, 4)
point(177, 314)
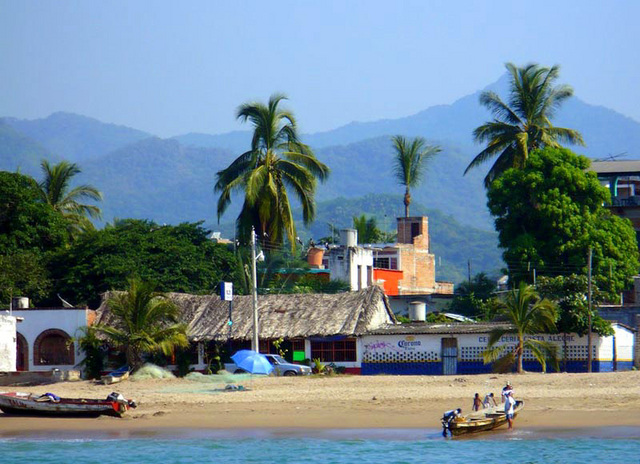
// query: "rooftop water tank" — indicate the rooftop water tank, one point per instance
point(418, 311)
point(348, 237)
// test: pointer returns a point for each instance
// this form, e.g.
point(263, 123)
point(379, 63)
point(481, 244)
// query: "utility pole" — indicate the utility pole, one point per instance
point(255, 344)
point(589, 356)
point(469, 271)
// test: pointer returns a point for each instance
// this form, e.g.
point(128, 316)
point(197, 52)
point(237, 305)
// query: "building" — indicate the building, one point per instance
point(45, 338)
point(447, 349)
point(357, 331)
point(313, 326)
point(406, 270)
point(7, 343)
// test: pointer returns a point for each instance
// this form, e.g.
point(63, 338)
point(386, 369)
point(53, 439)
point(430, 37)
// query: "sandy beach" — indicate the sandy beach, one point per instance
point(552, 400)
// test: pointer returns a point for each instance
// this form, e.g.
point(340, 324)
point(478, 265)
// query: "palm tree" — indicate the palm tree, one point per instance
point(368, 231)
point(529, 315)
point(143, 321)
point(524, 123)
point(278, 162)
point(410, 160)
point(55, 190)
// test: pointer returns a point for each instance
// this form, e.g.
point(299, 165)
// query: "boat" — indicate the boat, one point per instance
point(28, 404)
point(115, 376)
point(480, 421)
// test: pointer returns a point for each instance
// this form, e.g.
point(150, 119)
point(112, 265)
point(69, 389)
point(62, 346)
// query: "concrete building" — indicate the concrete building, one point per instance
point(44, 338)
point(7, 343)
point(350, 262)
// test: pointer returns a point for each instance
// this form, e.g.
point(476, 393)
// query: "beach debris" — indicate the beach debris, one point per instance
point(374, 398)
point(151, 371)
point(460, 380)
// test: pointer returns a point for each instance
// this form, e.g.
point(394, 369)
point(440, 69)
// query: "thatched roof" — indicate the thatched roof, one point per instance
point(286, 316)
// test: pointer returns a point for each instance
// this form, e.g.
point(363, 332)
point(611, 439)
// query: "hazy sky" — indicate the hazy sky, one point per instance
point(174, 67)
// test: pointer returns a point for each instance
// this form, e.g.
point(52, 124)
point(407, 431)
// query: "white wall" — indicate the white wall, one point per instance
point(37, 321)
point(344, 262)
point(7, 343)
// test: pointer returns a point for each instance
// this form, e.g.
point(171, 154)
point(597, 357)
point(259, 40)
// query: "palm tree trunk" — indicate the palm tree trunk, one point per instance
point(520, 354)
point(407, 202)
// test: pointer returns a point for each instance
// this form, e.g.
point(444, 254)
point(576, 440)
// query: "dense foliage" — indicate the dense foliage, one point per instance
point(549, 213)
point(178, 258)
point(29, 232)
point(570, 294)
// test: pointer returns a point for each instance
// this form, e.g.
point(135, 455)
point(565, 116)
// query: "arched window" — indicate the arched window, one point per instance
point(53, 347)
point(22, 353)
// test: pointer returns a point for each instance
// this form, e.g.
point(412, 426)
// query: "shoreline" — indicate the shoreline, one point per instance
point(278, 404)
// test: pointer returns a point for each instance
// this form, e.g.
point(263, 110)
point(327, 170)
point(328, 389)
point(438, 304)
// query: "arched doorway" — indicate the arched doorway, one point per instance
point(53, 347)
point(22, 353)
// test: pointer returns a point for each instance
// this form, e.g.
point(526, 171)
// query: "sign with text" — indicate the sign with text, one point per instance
point(226, 291)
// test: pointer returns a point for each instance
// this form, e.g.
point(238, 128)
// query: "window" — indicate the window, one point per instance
point(359, 277)
point(334, 351)
point(415, 229)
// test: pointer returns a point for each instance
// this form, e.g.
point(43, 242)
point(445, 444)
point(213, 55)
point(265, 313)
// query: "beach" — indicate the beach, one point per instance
point(344, 401)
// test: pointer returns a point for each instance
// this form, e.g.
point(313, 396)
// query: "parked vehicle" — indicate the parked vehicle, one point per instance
point(281, 367)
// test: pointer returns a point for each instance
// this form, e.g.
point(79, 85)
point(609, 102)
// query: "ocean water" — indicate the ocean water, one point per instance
point(411, 446)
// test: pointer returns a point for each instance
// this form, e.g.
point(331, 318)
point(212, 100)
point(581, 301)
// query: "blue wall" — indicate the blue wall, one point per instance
point(478, 367)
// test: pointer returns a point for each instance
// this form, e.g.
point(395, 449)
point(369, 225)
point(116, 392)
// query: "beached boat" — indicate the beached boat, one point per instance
point(481, 421)
point(115, 376)
point(51, 405)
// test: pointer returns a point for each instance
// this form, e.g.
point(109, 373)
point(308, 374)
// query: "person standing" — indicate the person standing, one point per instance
point(509, 404)
point(507, 389)
point(477, 403)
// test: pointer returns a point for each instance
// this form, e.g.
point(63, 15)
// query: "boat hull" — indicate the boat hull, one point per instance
point(483, 421)
point(25, 404)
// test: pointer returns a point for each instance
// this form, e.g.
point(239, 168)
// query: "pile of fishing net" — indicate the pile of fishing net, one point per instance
point(222, 377)
point(151, 371)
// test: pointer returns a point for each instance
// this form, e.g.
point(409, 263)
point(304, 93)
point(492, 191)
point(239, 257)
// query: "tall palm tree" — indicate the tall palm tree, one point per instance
point(143, 321)
point(276, 163)
point(524, 123)
point(529, 315)
point(56, 191)
point(410, 159)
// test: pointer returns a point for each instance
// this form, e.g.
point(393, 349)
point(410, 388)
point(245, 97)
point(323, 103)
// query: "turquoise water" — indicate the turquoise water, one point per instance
point(617, 445)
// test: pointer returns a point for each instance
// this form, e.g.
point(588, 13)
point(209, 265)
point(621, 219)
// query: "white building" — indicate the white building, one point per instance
point(350, 262)
point(7, 343)
point(45, 338)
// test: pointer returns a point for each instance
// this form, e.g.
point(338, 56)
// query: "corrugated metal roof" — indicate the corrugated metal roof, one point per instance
point(616, 167)
point(417, 328)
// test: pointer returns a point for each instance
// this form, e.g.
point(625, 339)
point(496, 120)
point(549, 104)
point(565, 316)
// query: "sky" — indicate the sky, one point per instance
point(170, 67)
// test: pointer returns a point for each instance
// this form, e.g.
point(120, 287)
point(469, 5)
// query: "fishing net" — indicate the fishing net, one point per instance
point(151, 371)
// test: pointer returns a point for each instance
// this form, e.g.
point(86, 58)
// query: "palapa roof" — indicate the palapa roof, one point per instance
point(287, 316)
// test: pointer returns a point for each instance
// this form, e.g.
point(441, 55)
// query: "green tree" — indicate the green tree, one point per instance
point(277, 163)
point(551, 212)
point(529, 315)
point(56, 191)
point(524, 122)
point(471, 297)
point(143, 322)
point(29, 232)
point(368, 231)
point(178, 258)
point(410, 159)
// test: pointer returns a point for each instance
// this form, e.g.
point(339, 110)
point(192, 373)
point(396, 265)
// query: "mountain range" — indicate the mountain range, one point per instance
point(171, 180)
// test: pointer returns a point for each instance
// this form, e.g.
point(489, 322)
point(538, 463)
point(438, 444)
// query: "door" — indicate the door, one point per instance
point(449, 356)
